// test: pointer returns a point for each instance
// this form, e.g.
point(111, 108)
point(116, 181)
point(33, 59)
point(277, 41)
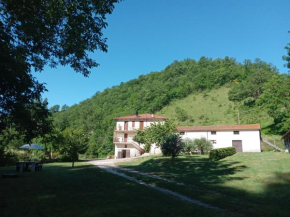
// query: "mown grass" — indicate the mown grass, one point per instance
point(253, 184)
point(62, 191)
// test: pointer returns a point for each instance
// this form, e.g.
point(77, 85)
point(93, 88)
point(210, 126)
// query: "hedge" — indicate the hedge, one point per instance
point(221, 153)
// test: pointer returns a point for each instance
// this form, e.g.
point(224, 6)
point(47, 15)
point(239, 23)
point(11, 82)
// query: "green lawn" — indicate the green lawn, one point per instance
point(254, 184)
point(60, 191)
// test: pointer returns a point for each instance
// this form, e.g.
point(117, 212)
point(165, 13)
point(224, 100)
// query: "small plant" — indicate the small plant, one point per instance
point(172, 146)
point(141, 151)
point(203, 145)
point(189, 146)
point(221, 153)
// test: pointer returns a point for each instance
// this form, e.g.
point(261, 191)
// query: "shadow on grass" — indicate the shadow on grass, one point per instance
point(193, 169)
point(267, 196)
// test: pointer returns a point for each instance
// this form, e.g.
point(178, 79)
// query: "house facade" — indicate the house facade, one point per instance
point(246, 138)
point(126, 128)
point(286, 138)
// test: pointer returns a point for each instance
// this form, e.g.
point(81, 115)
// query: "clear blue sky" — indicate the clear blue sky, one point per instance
point(147, 35)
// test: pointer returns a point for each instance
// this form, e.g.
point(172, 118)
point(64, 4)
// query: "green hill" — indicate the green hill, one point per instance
point(191, 92)
point(214, 108)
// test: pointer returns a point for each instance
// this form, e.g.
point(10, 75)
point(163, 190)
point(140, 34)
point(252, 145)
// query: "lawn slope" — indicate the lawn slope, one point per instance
point(253, 184)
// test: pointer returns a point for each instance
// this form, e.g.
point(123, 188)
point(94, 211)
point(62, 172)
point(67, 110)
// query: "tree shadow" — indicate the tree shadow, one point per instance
point(193, 169)
point(269, 198)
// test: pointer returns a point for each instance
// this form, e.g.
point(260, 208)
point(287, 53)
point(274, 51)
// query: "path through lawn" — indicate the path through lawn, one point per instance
point(253, 184)
point(87, 191)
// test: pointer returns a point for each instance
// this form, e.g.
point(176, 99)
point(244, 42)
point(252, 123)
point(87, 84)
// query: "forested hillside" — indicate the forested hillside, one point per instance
point(150, 93)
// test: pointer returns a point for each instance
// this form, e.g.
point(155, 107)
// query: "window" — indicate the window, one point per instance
point(213, 132)
point(213, 141)
point(236, 132)
point(125, 146)
point(182, 133)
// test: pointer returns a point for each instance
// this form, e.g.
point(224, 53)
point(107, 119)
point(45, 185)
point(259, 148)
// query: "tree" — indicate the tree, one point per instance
point(252, 87)
point(64, 107)
point(172, 145)
point(54, 108)
point(287, 58)
point(189, 146)
point(156, 133)
point(203, 145)
point(276, 99)
point(36, 33)
point(75, 143)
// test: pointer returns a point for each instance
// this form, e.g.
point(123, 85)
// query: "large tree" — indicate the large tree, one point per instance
point(39, 32)
point(287, 58)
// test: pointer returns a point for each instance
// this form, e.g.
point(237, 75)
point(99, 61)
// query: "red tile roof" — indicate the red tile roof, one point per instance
point(286, 134)
point(141, 117)
point(220, 128)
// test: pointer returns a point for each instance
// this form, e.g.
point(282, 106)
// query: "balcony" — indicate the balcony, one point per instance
point(123, 140)
point(121, 129)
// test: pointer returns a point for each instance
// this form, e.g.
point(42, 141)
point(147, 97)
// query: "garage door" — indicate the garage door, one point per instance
point(238, 145)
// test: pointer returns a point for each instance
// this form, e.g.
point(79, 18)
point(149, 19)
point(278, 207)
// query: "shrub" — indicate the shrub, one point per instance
point(203, 145)
point(221, 153)
point(189, 146)
point(141, 151)
point(172, 146)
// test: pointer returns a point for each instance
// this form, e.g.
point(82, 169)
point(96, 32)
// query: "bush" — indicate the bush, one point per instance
point(203, 145)
point(221, 153)
point(189, 146)
point(141, 151)
point(172, 146)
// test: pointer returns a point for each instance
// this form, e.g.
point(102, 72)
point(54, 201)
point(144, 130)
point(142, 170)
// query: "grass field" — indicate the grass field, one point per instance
point(253, 184)
point(85, 191)
point(214, 108)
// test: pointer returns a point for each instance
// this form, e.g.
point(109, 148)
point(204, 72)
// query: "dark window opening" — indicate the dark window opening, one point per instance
point(236, 132)
point(213, 132)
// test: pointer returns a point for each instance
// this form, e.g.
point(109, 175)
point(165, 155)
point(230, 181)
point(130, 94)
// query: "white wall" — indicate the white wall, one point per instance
point(133, 151)
point(137, 124)
point(250, 139)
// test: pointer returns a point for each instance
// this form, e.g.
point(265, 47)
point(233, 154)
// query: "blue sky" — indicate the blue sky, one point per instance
point(147, 35)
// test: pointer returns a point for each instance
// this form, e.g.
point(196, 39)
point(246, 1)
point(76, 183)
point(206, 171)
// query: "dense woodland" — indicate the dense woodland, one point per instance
point(252, 84)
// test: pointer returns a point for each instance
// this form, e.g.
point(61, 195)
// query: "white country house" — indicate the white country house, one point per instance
point(126, 128)
point(246, 138)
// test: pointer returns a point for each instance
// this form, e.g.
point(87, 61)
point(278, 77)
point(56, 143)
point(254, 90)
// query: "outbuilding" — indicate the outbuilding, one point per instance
point(246, 138)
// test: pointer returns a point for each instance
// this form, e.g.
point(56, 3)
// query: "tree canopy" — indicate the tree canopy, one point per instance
point(36, 33)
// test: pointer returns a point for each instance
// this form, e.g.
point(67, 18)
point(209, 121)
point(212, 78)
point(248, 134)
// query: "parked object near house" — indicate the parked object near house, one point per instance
point(126, 128)
point(286, 138)
point(245, 138)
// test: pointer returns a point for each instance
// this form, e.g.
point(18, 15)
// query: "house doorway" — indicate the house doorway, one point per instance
point(238, 145)
point(125, 153)
point(141, 125)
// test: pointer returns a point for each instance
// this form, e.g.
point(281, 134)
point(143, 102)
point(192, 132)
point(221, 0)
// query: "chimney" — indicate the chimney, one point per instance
point(136, 113)
point(152, 115)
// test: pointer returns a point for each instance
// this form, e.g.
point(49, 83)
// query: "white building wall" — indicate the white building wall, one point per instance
point(250, 139)
point(120, 125)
